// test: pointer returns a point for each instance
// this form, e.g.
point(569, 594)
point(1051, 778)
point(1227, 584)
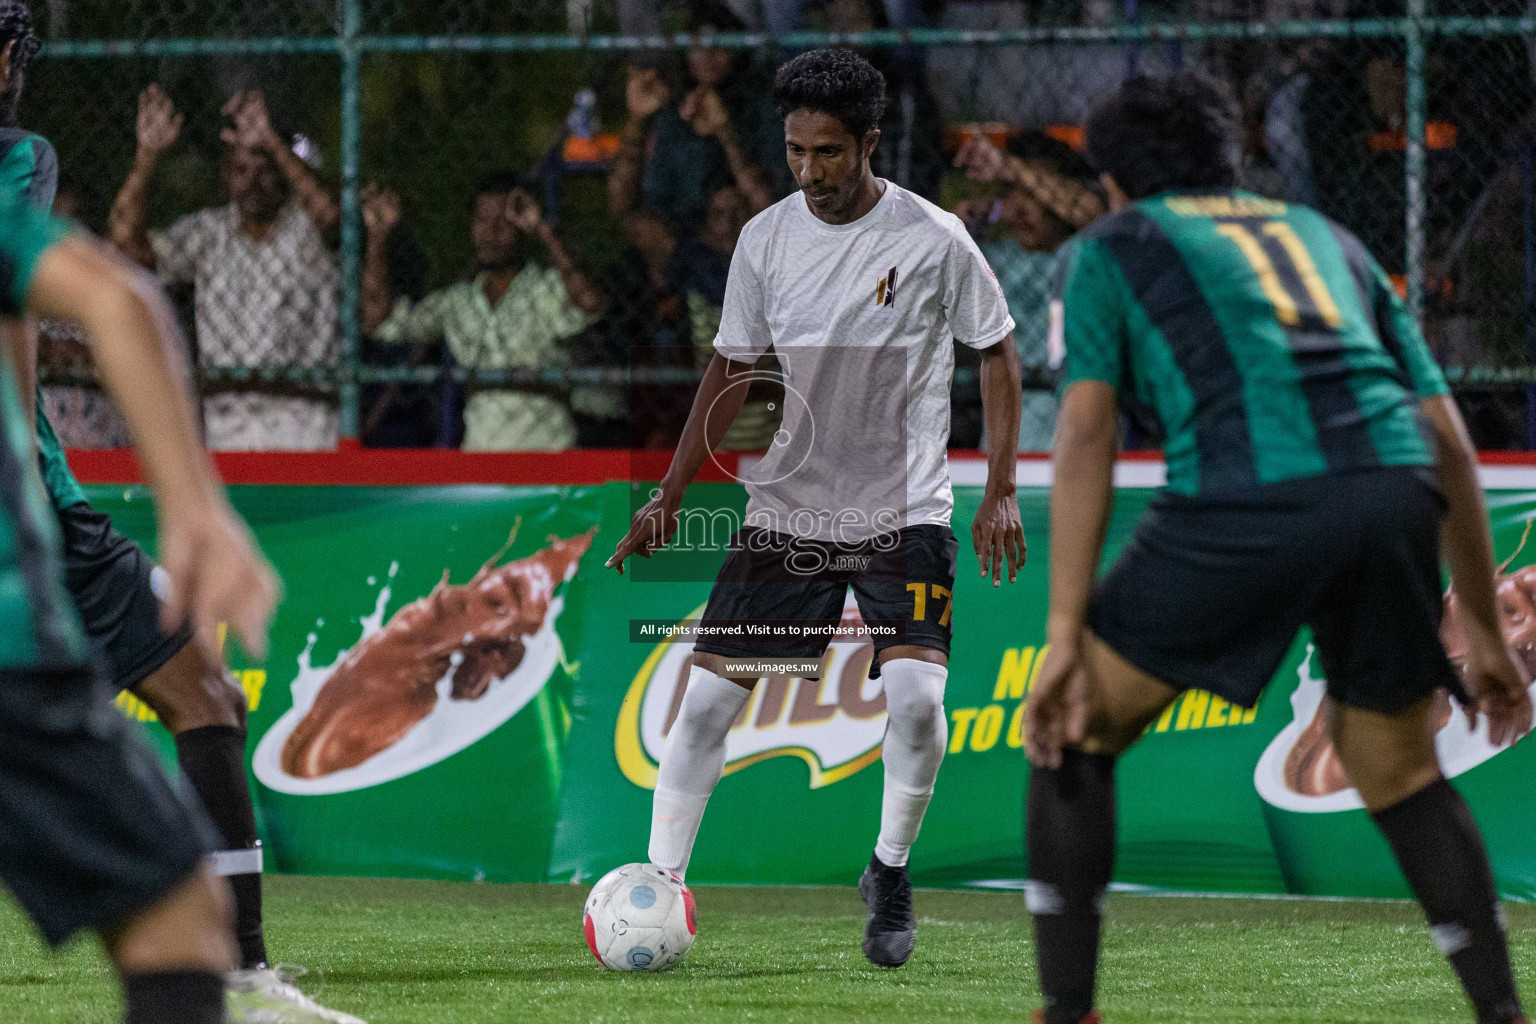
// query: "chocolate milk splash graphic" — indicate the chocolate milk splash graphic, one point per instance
point(388, 683)
point(1312, 766)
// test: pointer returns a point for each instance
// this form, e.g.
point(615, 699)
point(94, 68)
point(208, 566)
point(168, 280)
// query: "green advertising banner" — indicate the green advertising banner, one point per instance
point(453, 692)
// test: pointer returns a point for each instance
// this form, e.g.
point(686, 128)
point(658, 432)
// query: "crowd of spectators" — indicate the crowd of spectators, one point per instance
point(697, 152)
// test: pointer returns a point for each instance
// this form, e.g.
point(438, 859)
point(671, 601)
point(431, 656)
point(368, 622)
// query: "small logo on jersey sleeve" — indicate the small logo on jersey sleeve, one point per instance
point(885, 291)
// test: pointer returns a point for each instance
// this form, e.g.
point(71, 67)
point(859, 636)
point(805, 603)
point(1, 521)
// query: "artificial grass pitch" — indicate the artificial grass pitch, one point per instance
point(400, 951)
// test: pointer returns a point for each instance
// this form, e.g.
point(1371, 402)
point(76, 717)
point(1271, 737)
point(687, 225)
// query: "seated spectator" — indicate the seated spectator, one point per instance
point(514, 313)
point(265, 281)
point(644, 326)
point(675, 152)
point(1042, 201)
point(700, 270)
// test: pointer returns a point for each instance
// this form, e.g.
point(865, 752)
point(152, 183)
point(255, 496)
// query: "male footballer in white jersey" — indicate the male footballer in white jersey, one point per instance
point(861, 289)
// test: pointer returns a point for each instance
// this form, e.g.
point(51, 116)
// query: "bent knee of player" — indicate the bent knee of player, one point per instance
point(917, 715)
point(1123, 700)
point(701, 717)
point(1387, 757)
point(1104, 735)
point(189, 693)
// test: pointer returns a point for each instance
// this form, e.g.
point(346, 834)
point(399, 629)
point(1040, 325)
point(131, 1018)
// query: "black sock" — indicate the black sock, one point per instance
point(174, 997)
point(213, 760)
point(1070, 816)
point(1441, 852)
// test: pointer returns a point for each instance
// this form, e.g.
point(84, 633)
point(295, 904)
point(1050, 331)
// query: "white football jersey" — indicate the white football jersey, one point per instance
point(860, 317)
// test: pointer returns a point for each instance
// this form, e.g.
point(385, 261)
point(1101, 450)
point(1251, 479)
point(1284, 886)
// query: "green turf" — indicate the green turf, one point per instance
point(397, 952)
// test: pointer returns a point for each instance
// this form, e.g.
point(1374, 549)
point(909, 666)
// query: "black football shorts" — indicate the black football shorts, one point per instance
point(1211, 591)
point(92, 830)
point(112, 581)
point(904, 580)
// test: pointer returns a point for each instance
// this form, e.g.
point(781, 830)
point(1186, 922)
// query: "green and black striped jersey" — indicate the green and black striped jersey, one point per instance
point(1264, 337)
point(29, 173)
point(39, 628)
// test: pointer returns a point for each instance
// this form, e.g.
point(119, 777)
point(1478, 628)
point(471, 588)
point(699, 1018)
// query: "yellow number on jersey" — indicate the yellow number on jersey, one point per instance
point(1287, 309)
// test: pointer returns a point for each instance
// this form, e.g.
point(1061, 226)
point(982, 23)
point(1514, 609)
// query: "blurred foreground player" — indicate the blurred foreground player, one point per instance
point(114, 584)
point(92, 834)
point(1314, 458)
point(862, 289)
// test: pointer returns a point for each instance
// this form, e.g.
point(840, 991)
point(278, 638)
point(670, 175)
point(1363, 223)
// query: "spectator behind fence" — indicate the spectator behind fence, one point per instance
point(265, 281)
point(675, 153)
point(700, 269)
point(643, 17)
point(80, 414)
point(514, 313)
point(1038, 85)
point(1040, 203)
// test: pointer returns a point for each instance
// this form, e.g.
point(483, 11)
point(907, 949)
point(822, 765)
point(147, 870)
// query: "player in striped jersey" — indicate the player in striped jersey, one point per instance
point(1313, 458)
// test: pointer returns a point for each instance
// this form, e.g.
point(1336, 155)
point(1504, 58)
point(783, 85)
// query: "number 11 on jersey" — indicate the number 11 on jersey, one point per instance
point(1290, 309)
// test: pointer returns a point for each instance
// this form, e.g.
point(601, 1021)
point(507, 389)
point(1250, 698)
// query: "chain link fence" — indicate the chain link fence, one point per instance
point(507, 226)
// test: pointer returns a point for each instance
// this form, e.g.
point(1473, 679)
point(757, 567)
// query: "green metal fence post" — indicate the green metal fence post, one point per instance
point(1414, 163)
point(351, 228)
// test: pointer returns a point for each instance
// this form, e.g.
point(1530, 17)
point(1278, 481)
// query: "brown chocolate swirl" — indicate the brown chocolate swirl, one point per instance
point(388, 682)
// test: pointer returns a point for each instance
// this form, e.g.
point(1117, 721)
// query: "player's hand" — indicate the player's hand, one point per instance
point(1057, 711)
point(216, 576)
point(998, 533)
point(980, 159)
point(1499, 685)
point(646, 92)
point(705, 113)
point(649, 531)
point(158, 125)
point(253, 127)
point(381, 209)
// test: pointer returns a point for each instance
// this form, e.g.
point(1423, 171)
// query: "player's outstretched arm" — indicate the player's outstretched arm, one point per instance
point(1087, 439)
point(715, 407)
point(998, 531)
point(1496, 679)
point(216, 573)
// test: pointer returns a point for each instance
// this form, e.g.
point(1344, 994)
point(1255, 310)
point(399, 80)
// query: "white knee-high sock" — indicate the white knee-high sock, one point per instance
point(916, 734)
point(691, 765)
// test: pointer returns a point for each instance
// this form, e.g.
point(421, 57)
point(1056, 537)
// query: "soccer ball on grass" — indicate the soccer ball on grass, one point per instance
point(640, 917)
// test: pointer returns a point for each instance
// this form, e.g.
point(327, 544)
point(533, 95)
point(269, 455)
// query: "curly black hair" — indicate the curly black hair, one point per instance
point(837, 82)
point(1167, 132)
point(16, 28)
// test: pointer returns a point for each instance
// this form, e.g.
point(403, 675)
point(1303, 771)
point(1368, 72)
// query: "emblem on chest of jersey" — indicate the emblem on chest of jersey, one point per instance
point(885, 291)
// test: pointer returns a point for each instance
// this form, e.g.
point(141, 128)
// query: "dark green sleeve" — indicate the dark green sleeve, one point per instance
point(1403, 339)
point(44, 187)
point(1088, 315)
point(25, 234)
point(29, 173)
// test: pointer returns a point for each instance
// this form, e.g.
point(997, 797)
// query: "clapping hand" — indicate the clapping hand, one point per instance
point(523, 212)
point(158, 125)
point(646, 92)
point(253, 127)
point(705, 112)
point(381, 209)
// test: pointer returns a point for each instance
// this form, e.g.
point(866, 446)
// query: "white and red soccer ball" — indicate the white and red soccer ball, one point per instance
point(640, 917)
